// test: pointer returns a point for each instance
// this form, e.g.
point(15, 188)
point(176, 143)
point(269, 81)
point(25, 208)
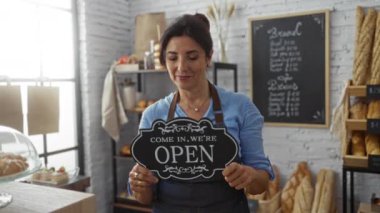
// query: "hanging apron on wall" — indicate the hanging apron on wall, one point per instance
point(200, 196)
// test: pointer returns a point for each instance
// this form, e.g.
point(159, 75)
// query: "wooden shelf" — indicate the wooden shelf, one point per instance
point(120, 71)
point(356, 124)
point(359, 91)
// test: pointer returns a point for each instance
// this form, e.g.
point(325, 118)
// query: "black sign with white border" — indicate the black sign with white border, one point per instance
point(184, 149)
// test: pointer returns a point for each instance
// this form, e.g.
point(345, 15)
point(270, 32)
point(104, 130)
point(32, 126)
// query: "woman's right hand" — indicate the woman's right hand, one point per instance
point(141, 181)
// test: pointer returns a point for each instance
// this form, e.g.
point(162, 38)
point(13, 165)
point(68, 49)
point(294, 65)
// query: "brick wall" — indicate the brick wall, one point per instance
point(107, 32)
point(104, 36)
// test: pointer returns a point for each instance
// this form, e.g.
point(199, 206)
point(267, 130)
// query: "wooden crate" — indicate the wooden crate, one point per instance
point(353, 124)
point(352, 160)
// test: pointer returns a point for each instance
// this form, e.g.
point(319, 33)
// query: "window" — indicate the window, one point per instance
point(38, 41)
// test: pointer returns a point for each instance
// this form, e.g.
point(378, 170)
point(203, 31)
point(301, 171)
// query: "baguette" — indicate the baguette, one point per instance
point(324, 192)
point(375, 64)
point(289, 191)
point(360, 15)
point(364, 48)
point(304, 196)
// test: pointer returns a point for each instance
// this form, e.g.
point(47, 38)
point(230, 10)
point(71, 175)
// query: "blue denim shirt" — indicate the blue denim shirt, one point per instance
point(241, 118)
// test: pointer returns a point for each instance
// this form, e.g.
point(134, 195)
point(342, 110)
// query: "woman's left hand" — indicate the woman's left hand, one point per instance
point(239, 176)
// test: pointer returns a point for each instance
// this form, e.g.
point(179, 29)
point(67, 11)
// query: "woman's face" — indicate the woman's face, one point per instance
point(186, 62)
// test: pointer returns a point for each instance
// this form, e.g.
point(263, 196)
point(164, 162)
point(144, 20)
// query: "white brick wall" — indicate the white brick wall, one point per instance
point(104, 36)
point(107, 32)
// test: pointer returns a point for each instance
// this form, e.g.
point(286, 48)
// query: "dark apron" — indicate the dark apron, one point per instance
point(200, 196)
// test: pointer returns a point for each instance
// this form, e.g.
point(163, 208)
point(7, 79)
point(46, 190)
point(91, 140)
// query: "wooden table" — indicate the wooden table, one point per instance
point(36, 199)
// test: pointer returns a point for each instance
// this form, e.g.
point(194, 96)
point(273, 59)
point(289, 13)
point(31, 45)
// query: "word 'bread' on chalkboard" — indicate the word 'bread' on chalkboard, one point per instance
point(290, 68)
point(184, 149)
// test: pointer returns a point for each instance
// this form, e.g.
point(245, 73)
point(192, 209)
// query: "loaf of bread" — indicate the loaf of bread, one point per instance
point(274, 185)
point(289, 191)
point(374, 109)
point(304, 196)
point(357, 143)
point(375, 62)
point(324, 200)
point(358, 109)
point(372, 143)
point(364, 48)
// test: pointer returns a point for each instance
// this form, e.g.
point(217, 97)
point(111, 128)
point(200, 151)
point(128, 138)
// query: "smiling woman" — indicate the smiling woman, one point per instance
point(37, 48)
point(186, 51)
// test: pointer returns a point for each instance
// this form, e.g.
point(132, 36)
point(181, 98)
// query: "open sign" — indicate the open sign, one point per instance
point(184, 149)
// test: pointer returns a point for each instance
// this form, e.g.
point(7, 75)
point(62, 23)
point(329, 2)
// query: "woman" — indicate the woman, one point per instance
point(186, 52)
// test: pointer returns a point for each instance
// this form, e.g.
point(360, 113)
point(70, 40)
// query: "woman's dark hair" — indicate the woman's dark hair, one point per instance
point(195, 26)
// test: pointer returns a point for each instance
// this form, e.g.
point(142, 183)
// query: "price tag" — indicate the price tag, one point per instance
point(373, 126)
point(373, 91)
point(374, 162)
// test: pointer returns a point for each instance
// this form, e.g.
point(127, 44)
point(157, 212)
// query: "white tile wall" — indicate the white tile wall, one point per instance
point(107, 29)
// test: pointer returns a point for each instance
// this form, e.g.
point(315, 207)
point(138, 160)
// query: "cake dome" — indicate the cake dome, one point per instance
point(18, 156)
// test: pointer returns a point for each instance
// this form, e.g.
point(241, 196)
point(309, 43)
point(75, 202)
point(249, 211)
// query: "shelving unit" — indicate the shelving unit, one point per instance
point(351, 163)
point(123, 203)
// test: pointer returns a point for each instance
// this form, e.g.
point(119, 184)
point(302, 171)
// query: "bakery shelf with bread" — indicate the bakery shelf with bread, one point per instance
point(362, 95)
point(359, 110)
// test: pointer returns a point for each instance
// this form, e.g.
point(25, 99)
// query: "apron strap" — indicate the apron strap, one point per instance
point(217, 107)
point(172, 106)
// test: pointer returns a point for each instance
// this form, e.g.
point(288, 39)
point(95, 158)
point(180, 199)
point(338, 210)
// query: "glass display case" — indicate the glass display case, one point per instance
point(18, 158)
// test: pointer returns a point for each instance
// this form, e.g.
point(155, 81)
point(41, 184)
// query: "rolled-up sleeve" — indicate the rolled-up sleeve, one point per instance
point(251, 141)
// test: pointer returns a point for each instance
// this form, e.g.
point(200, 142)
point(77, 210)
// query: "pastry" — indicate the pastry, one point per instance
point(142, 103)
point(125, 150)
point(59, 178)
point(357, 143)
point(11, 164)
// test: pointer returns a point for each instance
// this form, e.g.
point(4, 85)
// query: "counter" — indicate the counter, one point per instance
point(36, 199)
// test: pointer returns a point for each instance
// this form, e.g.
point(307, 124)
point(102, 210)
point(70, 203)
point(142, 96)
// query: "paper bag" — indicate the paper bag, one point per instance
point(43, 110)
point(10, 107)
point(148, 27)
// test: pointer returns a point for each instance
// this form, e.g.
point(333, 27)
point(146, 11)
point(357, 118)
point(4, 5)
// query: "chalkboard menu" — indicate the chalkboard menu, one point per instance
point(290, 68)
